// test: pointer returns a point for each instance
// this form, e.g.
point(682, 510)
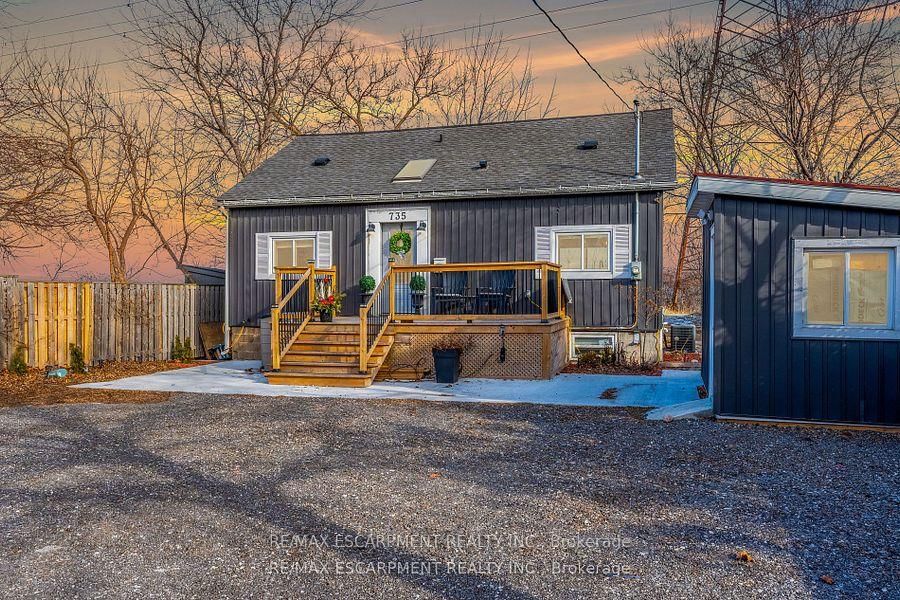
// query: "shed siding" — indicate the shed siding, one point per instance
point(482, 230)
point(760, 370)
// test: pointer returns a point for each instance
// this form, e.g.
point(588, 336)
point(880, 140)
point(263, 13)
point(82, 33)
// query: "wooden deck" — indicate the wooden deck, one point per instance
point(509, 320)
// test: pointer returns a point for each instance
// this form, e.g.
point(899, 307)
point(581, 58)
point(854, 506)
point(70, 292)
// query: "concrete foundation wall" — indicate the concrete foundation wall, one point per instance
point(245, 343)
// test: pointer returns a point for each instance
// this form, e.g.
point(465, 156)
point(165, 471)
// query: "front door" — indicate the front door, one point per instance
point(388, 230)
point(403, 295)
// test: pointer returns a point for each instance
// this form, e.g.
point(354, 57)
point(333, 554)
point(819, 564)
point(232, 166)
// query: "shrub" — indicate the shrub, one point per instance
point(604, 358)
point(182, 351)
point(417, 283)
point(17, 363)
point(177, 348)
point(366, 284)
point(76, 360)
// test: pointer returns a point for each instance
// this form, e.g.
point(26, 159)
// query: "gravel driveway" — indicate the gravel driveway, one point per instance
point(217, 496)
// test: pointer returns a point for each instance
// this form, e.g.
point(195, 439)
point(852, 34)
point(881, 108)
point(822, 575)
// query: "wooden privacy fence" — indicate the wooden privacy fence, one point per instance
point(108, 321)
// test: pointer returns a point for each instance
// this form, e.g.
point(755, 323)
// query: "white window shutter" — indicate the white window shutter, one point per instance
point(543, 242)
point(263, 244)
point(323, 250)
point(621, 251)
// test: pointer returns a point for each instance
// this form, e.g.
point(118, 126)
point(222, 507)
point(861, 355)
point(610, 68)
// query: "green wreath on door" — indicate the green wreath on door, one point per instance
point(400, 243)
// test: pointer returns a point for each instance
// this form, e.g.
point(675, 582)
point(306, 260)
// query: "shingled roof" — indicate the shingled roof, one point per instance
point(543, 156)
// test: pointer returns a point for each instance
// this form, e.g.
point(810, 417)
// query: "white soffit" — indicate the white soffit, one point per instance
point(704, 188)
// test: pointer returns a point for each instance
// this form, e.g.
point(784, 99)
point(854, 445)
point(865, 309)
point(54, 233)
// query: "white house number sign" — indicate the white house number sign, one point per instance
point(396, 215)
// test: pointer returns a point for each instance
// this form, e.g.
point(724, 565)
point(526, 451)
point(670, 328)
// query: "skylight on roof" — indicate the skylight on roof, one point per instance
point(414, 170)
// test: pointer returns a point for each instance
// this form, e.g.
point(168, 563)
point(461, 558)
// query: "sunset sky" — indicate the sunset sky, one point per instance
point(102, 36)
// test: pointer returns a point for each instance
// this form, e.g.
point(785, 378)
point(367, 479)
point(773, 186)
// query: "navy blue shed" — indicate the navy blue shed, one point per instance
point(801, 299)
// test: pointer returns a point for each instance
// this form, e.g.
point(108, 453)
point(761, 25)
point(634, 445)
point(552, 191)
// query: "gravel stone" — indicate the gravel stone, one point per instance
point(245, 497)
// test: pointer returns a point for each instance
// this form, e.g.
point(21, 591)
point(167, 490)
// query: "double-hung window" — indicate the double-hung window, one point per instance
point(596, 251)
point(293, 252)
point(846, 289)
point(584, 251)
point(291, 249)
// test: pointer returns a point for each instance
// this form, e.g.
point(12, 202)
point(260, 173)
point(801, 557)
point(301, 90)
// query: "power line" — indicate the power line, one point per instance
point(578, 52)
point(75, 14)
point(125, 33)
point(471, 46)
point(381, 45)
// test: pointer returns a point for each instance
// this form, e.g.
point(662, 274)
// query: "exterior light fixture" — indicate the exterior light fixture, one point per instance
point(422, 226)
point(370, 228)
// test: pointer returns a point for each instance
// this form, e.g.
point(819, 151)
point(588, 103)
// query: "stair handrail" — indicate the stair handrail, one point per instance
point(285, 331)
point(366, 349)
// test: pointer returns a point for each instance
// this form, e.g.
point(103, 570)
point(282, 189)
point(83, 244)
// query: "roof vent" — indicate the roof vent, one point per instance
point(321, 161)
point(482, 164)
point(414, 170)
point(589, 145)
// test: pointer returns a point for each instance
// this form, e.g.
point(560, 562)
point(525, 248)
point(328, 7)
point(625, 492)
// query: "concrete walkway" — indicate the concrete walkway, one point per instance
point(242, 377)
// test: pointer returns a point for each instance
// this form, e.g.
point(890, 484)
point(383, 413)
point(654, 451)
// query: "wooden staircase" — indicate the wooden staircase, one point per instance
point(327, 354)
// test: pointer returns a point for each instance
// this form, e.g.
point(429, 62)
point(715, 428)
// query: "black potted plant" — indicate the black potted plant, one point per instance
point(417, 285)
point(366, 287)
point(328, 306)
point(447, 366)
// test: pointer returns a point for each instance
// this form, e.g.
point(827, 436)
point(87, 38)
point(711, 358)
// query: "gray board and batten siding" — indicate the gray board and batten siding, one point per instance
point(463, 230)
point(760, 369)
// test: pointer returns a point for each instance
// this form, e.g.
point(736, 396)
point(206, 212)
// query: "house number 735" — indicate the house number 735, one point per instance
point(397, 215)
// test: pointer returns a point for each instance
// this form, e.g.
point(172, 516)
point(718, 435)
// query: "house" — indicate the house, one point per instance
point(203, 275)
point(489, 225)
point(801, 299)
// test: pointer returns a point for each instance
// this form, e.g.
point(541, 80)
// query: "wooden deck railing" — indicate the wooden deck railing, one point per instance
point(292, 310)
point(473, 291)
point(461, 291)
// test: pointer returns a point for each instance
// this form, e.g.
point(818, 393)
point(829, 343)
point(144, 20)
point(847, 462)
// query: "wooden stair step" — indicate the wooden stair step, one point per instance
point(313, 368)
point(322, 379)
point(332, 327)
point(326, 336)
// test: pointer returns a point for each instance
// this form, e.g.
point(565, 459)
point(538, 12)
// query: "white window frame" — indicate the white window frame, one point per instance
point(608, 230)
point(804, 330)
point(293, 237)
point(582, 334)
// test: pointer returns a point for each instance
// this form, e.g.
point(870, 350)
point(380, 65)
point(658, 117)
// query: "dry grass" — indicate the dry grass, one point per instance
point(35, 388)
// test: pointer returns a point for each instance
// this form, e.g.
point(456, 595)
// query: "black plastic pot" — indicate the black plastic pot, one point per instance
point(446, 365)
point(418, 301)
point(325, 316)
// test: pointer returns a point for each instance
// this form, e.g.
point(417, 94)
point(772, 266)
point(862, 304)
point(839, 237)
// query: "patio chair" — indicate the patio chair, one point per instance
point(452, 295)
point(496, 297)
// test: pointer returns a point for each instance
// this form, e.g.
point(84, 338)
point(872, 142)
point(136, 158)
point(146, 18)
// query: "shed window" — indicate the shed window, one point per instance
point(846, 289)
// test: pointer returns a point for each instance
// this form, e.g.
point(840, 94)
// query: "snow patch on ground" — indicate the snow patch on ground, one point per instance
point(242, 377)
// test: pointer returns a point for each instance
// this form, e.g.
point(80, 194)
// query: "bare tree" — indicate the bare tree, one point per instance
point(813, 95)
point(364, 90)
point(682, 72)
point(66, 106)
point(821, 85)
point(174, 181)
point(491, 83)
point(30, 197)
point(240, 73)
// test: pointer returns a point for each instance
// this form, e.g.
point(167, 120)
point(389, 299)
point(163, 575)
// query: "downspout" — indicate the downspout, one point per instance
point(637, 178)
point(636, 226)
point(226, 326)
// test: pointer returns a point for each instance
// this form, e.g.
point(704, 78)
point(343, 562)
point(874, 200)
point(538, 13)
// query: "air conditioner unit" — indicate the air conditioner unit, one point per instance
point(682, 338)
